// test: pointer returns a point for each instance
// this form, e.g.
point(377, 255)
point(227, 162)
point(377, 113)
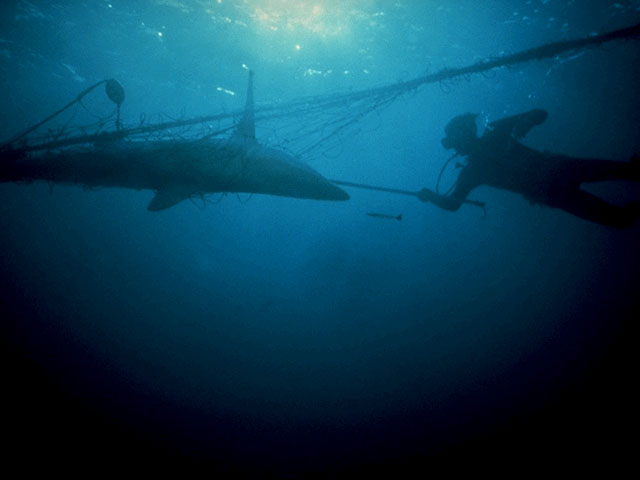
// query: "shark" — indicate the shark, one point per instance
point(175, 169)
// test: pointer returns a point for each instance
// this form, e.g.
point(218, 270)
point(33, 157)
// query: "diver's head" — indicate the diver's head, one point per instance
point(461, 132)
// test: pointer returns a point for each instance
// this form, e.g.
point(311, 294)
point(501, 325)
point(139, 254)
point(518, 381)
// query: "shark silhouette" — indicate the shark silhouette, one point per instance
point(175, 169)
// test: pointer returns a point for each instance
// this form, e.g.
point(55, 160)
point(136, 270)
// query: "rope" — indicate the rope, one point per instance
point(305, 105)
point(52, 116)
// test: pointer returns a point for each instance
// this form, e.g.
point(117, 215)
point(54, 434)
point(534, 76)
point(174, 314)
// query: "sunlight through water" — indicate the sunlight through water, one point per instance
point(326, 19)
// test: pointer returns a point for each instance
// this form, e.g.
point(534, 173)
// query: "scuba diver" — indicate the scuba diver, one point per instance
point(498, 159)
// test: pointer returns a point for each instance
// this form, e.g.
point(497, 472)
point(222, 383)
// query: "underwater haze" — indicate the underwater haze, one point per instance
point(264, 335)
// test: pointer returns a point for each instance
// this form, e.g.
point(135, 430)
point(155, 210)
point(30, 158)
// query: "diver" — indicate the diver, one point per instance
point(498, 159)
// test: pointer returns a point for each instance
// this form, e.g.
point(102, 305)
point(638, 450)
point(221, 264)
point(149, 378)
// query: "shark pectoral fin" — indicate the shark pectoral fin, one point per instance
point(168, 198)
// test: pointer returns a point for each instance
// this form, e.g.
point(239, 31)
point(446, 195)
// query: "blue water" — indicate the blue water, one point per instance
point(280, 336)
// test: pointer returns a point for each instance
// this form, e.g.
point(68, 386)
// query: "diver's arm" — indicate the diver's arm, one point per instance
point(452, 202)
point(517, 126)
point(446, 202)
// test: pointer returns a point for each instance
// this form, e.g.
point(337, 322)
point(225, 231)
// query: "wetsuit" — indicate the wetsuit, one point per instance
point(498, 159)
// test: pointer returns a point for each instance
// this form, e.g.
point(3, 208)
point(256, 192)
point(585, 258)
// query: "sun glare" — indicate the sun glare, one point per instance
point(327, 19)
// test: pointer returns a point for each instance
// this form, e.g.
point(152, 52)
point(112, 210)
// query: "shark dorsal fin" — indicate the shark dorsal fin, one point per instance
point(246, 129)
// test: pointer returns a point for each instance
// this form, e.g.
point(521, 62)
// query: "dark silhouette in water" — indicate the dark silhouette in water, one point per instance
point(498, 159)
point(384, 215)
point(175, 169)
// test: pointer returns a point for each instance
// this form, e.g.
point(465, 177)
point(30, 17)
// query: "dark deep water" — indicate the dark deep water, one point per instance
point(279, 336)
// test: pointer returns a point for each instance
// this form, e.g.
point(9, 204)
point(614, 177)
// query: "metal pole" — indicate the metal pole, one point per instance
point(397, 191)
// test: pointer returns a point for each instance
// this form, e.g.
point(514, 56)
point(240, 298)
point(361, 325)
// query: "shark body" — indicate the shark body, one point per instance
point(176, 169)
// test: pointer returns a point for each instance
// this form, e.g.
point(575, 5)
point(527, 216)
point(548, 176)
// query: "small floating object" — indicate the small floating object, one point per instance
point(114, 90)
point(384, 215)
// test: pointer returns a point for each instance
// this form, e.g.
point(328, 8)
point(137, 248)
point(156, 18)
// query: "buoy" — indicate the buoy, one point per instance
point(115, 92)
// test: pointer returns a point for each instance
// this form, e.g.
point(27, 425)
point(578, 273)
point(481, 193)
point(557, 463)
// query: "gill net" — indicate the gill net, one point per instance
point(326, 117)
